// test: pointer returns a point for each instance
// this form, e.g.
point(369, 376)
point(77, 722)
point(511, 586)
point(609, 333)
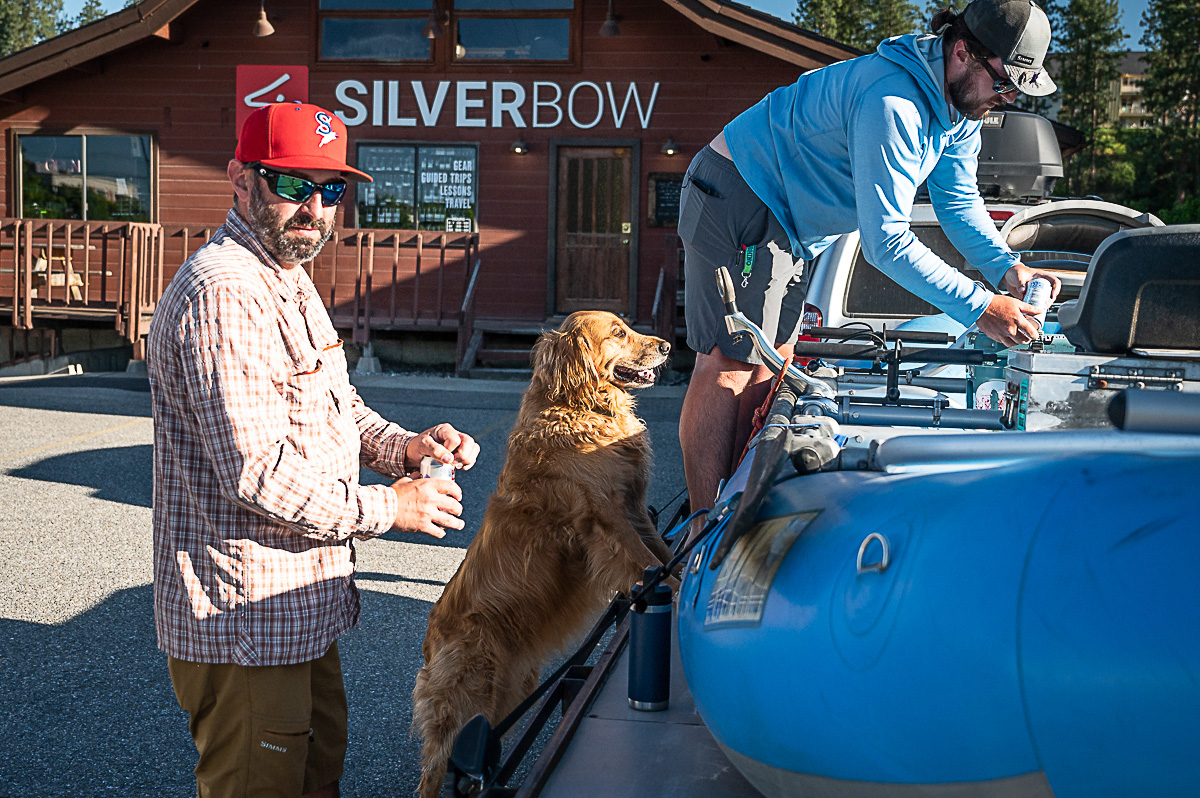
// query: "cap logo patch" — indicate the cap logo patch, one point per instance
point(325, 128)
point(1023, 59)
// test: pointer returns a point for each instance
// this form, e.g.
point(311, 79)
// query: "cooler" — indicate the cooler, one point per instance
point(1058, 390)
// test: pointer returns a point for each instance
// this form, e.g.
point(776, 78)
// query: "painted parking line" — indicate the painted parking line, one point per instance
point(76, 439)
point(505, 422)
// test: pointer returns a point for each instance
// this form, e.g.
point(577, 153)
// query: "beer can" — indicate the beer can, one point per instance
point(1037, 293)
point(436, 469)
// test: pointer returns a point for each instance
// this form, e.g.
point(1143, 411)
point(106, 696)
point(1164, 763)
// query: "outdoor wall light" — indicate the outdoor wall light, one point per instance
point(519, 146)
point(434, 26)
point(670, 148)
point(263, 26)
point(610, 27)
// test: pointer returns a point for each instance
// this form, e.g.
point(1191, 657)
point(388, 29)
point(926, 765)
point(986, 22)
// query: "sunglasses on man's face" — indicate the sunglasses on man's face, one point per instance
point(298, 190)
point(1003, 84)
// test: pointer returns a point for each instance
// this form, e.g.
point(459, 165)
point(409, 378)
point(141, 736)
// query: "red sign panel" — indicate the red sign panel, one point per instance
point(262, 85)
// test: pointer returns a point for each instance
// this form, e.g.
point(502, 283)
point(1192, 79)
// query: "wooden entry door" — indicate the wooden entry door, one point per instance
point(594, 246)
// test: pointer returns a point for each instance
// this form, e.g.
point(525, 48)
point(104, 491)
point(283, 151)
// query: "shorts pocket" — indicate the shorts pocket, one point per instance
point(752, 228)
point(691, 209)
point(278, 757)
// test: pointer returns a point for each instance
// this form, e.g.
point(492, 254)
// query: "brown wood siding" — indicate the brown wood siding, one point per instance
point(183, 92)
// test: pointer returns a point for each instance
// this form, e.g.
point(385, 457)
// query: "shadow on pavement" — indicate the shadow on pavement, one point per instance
point(118, 474)
point(107, 394)
point(89, 708)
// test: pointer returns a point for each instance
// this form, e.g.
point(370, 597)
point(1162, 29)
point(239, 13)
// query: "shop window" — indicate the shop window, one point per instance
point(471, 31)
point(89, 177)
point(418, 187)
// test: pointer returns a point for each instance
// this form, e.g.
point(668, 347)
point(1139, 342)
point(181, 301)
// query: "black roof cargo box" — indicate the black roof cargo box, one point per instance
point(1019, 157)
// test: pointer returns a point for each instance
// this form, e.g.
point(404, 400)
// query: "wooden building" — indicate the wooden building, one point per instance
point(527, 162)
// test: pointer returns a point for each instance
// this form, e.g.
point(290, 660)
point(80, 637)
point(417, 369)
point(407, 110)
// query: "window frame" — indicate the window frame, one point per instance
point(318, 40)
point(416, 144)
point(16, 199)
point(442, 56)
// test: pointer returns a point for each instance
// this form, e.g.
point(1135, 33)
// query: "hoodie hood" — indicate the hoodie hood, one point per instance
point(921, 56)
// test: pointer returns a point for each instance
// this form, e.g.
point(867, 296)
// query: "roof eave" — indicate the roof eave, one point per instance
point(763, 33)
point(731, 21)
point(81, 45)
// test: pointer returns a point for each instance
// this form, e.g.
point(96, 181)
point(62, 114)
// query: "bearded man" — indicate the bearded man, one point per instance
point(258, 440)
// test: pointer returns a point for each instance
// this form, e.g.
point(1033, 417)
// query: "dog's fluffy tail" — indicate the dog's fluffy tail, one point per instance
point(451, 689)
point(460, 680)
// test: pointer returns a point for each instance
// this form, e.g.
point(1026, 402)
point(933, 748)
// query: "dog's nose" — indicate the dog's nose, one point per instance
point(664, 348)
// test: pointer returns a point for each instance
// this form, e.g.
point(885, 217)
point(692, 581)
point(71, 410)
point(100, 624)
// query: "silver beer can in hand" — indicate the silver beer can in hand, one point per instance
point(1037, 293)
point(436, 469)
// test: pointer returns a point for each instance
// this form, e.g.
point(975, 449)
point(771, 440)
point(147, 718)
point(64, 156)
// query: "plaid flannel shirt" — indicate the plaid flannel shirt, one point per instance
point(258, 439)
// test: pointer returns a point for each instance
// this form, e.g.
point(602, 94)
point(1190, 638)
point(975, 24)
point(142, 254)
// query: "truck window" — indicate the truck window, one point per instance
point(872, 293)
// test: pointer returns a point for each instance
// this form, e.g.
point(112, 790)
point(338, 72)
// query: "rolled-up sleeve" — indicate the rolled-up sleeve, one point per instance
point(384, 443)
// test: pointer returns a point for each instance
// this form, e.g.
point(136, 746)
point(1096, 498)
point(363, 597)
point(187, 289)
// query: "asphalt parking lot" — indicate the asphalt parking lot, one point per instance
point(88, 706)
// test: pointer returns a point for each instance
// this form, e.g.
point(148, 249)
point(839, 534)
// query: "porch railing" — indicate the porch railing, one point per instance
point(394, 279)
point(664, 314)
point(56, 272)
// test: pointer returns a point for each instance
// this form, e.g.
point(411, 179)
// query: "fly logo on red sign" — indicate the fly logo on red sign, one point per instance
point(262, 85)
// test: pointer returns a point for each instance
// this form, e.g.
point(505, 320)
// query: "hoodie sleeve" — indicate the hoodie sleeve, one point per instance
point(954, 192)
point(886, 146)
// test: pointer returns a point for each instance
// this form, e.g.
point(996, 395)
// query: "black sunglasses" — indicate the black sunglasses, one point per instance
point(297, 189)
point(1003, 84)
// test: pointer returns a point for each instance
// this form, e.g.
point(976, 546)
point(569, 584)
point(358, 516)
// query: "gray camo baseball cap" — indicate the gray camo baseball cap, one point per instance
point(1019, 32)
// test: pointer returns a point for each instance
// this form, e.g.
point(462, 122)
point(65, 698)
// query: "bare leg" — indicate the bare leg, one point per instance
point(715, 422)
point(708, 425)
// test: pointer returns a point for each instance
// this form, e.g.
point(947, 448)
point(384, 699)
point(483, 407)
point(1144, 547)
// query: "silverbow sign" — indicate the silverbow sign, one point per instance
point(479, 103)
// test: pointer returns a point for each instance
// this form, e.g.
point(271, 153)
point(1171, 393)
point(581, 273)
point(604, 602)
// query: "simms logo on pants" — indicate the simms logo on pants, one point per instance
point(278, 748)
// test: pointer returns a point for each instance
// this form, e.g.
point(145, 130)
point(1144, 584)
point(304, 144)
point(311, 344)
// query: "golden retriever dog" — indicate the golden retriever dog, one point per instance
point(566, 529)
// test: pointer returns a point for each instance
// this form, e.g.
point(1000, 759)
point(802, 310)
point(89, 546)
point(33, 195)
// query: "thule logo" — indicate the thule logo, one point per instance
point(271, 747)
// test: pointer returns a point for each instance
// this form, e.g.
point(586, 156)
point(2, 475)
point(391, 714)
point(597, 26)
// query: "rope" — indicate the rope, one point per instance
point(761, 413)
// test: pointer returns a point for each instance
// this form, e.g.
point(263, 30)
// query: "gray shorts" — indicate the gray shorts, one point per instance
point(723, 223)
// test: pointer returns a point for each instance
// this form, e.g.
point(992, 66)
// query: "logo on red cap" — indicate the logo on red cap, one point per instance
point(325, 128)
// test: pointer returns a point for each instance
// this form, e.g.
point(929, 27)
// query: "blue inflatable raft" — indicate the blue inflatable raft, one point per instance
point(1032, 629)
point(898, 612)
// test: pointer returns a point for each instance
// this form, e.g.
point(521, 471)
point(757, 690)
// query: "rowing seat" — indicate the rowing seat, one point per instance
point(1142, 292)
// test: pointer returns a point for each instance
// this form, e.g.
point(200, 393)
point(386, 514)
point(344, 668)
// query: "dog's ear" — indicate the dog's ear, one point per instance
point(565, 363)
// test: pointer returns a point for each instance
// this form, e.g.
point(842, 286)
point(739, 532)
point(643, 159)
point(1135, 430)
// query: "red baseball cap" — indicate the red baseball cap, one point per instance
point(296, 136)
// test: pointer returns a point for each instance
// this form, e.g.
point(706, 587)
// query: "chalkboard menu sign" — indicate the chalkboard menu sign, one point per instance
point(664, 190)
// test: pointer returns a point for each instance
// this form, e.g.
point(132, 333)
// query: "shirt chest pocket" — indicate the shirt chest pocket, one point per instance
point(310, 406)
point(323, 429)
point(305, 386)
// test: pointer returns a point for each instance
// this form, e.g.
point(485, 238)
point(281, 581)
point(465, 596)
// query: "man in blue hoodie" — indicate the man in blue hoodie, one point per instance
point(844, 148)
